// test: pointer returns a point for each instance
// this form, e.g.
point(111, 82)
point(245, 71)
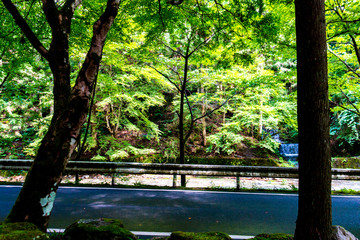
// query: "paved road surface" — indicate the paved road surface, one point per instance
point(171, 210)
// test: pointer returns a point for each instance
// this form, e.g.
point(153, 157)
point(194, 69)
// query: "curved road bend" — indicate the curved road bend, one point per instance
point(197, 211)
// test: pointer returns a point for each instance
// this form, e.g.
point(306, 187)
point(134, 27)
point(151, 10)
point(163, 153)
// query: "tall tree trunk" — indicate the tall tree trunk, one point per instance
point(314, 216)
point(36, 198)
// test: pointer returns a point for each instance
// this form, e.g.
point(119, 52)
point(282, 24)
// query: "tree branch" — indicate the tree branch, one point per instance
point(66, 13)
point(70, 6)
point(159, 11)
point(356, 48)
point(344, 21)
point(231, 13)
point(347, 65)
point(52, 14)
point(205, 115)
point(338, 34)
point(176, 72)
point(165, 76)
point(173, 50)
point(343, 107)
point(175, 2)
point(350, 102)
point(201, 44)
point(5, 78)
point(89, 70)
point(25, 17)
point(210, 112)
point(25, 28)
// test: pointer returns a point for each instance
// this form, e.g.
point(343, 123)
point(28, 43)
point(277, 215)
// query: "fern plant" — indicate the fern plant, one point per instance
point(224, 142)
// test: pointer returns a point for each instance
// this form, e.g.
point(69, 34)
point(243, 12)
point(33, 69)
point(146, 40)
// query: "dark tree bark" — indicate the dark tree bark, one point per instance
point(35, 201)
point(314, 216)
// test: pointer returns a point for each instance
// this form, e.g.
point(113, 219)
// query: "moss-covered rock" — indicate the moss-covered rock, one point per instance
point(199, 236)
point(275, 236)
point(21, 230)
point(98, 229)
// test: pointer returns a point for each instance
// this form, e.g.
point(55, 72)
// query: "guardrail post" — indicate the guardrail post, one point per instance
point(174, 180)
point(77, 180)
point(237, 183)
point(112, 179)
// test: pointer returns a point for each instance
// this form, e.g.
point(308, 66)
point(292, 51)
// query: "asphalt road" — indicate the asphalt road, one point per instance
point(172, 210)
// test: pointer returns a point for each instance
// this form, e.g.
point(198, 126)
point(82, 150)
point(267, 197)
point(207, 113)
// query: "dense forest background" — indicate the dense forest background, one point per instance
point(231, 74)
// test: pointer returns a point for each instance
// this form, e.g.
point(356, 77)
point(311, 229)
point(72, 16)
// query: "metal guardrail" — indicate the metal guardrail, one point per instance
point(88, 167)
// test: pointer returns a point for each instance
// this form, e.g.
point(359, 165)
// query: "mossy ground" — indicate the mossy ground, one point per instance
point(275, 236)
point(21, 230)
point(107, 229)
point(199, 236)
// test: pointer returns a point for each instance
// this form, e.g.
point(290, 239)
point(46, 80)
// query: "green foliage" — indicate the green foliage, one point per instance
point(346, 162)
point(124, 101)
point(99, 158)
point(346, 127)
point(225, 160)
point(269, 144)
point(116, 155)
point(116, 150)
point(243, 59)
point(347, 191)
point(225, 142)
point(56, 235)
point(10, 173)
point(344, 64)
point(263, 104)
point(171, 148)
point(25, 110)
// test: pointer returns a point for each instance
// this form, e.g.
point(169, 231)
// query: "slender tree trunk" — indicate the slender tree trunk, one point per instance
point(181, 121)
point(224, 113)
point(314, 216)
point(93, 124)
point(260, 121)
point(203, 120)
point(36, 199)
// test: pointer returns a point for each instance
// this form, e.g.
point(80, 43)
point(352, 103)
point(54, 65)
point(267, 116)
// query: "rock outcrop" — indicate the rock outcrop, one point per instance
point(340, 233)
